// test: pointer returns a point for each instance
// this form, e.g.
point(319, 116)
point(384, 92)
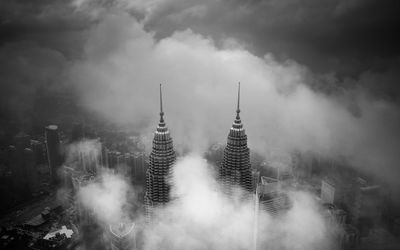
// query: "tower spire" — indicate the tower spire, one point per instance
point(235, 168)
point(161, 107)
point(161, 159)
point(238, 103)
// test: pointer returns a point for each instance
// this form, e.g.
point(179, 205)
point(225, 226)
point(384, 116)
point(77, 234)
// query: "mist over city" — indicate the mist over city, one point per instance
point(189, 124)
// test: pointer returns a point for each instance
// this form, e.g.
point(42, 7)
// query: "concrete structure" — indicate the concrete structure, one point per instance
point(79, 180)
point(53, 151)
point(161, 159)
point(270, 197)
point(112, 159)
point(21, 160)
point(334, 215)
point(89, 159)
point(39, 150)
point(138, 165)
point(367, 207)
point(18, 161)
point(349, 238)
point(327, 192)
point(255, 178)
point(235, 169)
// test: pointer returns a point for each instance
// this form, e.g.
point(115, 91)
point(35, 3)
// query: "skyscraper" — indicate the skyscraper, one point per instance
point(20, 163)
point(161, 158)
point(271, 198)
point(138, 166)
point(53, 151)
point(235, 169)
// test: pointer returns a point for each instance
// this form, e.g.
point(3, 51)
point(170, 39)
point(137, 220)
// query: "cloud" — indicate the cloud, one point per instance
point(201, 216)
point(106, 198)
point(304, 226)
point(124, 64)
point(108, 194)
point(200, 50)
point(327, 36)
point(310, 32)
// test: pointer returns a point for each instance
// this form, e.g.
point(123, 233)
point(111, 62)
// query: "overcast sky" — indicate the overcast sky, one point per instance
point(348, 39)
point(344, 36)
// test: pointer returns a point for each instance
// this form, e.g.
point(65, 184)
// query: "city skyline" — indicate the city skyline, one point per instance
point(277, 128)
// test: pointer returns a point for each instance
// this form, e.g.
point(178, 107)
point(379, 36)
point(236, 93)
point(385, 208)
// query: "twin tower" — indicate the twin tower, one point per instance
point(234, 171)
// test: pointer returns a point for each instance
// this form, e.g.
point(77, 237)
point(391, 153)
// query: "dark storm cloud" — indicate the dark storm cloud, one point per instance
point(26, 70)
point(346, 39)
point(50, 24)
point(343, 36)
point(37, 41)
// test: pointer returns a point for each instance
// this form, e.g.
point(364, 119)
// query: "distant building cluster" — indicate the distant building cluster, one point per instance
point(50, 229)
point(24, 170)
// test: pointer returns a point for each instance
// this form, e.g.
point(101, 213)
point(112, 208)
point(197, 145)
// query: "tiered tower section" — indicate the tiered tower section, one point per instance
point(161, 159)
point(235, 169)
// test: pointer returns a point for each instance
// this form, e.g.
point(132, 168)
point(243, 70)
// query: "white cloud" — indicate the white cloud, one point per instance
point(123, 65)
point(200, 216)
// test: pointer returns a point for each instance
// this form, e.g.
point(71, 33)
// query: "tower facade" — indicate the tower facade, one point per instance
point(161, 159)
point(53, 151)
point(235, 169)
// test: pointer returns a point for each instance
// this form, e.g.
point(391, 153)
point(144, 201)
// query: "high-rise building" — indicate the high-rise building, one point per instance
point(235, 169)
point(270, 197)
point(81, 179)
point(327, 192)
point(366, 209)
point(161, 159)
point(89, 160)
point(112, 159)
point(70, 188)
point(255, 178)
point(271, 200)
point(334, 215)
point(39, 151)
point(21, 163)
point(53, 151)
point(138, 166)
